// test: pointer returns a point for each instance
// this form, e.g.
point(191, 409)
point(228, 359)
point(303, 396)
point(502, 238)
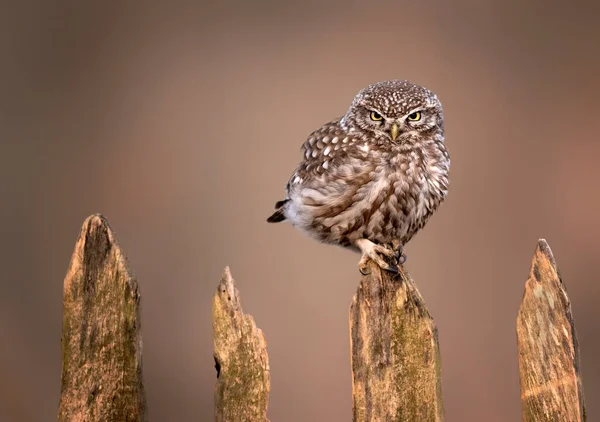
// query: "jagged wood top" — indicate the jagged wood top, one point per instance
point(241, 359)
point(549, 366)
point(101, 338)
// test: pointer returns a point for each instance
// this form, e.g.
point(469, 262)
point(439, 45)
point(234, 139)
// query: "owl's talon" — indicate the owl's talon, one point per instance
point(363, 265)
point(393, 269)
point(363, 269)
point(400, 255)
point(401, 258)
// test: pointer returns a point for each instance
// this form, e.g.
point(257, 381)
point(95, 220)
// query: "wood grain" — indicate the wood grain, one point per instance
point(549, 365)
point(396, 369)
point(101, 337)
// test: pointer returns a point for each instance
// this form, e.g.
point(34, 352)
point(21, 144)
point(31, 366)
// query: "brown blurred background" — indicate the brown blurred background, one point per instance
point(181, 123)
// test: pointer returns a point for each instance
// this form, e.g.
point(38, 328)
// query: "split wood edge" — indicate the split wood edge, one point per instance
point(241, 359)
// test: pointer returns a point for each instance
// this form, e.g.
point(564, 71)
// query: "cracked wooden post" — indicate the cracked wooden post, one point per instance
point(395, 358)
point(549, 367)
point(101, 338)
point(241, 360)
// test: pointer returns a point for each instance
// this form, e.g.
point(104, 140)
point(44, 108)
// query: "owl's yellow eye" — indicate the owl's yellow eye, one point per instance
point(376, 116)
point(415, 116)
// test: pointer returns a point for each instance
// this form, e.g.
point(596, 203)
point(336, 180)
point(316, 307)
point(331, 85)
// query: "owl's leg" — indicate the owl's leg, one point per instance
point(374, 252)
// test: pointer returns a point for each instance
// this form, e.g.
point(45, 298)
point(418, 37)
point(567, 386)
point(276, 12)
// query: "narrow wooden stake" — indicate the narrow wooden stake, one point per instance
point(549, 368)
point(241, 360)
point(101, 339)
point(396, 369)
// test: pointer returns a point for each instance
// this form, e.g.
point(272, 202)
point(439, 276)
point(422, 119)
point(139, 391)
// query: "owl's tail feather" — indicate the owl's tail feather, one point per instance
point(278, 215)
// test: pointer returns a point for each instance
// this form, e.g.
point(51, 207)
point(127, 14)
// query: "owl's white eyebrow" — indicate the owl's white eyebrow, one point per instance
point(414, 110)
point(372, 110)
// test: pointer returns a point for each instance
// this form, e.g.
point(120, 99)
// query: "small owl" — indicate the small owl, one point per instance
point(371, 179)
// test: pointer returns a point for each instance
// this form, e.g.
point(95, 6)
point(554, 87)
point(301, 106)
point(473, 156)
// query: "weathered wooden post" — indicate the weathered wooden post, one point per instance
point(101, 337)
point(241, 359)
point(396, 368)
point(549, 367)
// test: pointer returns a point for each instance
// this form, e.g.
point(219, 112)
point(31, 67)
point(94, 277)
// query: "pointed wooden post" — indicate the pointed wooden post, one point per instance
point(101, 338)
point(396, 369)
point(549, 368)
point(241, 359)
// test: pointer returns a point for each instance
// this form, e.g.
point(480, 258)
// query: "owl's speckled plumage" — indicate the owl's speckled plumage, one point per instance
point(370, 182)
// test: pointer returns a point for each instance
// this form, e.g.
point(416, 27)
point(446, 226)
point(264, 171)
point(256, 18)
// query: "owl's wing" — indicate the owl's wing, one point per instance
point(333, 171)
point(330, 177)
point(326, 148)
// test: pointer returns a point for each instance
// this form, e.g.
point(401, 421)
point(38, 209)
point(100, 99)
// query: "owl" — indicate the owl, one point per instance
point(372, 178)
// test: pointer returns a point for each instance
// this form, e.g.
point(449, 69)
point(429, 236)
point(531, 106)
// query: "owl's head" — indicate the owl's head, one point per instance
point(397, 111)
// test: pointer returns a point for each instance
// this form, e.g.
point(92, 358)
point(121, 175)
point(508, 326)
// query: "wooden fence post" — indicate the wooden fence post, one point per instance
point(241, 360)
point(396, 369)
point(101, 340)
point(549, 367)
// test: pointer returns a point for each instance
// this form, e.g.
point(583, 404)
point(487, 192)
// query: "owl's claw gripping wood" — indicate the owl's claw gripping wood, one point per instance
point(401, 258)
point(374, 252)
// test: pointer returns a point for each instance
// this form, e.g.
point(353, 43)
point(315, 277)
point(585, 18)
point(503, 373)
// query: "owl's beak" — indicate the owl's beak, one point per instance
point(395, 131)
